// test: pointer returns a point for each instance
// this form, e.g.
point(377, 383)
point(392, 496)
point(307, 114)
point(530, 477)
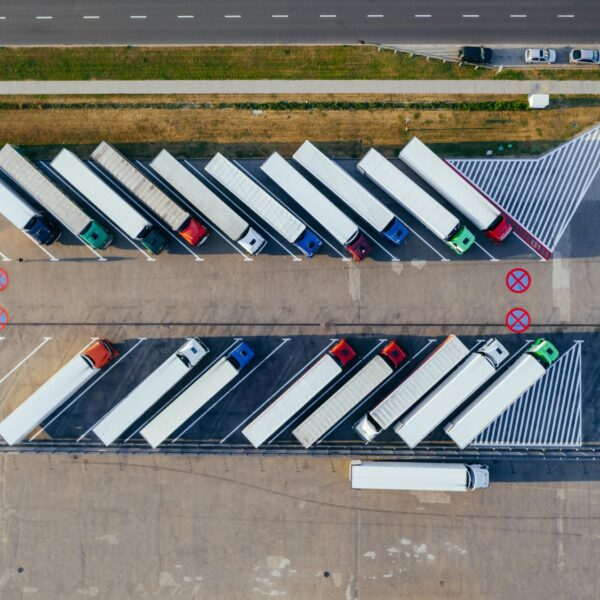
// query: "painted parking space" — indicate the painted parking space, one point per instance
point(540, 194)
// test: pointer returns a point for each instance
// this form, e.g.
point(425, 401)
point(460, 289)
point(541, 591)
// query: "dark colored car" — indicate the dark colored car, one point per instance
point(477, 55)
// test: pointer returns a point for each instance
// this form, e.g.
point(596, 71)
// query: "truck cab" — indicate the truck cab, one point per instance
point(100, 353)
point(394, 354)
point(359, 248)
point(367, 428)
point(42, 229)
point(153, 241)
point(499, 230)
point(193, 232)
point(252, 242)
point(494, 351)
point(309, 243)
point(97, 236)
point(478, 477)
point(461, 240)
point(544, 352)
point(241, 356)
point(192, 352)
point(396, 232)
point(343, 352)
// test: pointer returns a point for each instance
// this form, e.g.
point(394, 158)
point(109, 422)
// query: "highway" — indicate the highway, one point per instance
point(39, 22)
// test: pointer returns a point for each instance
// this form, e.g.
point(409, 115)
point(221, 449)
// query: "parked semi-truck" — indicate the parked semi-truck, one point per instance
point(350, 395)
point(150, 391)
point(207, 203)
point(506, 390)
point(419, 476)
point(451, 393)
point(343, 229)
point(45, 193)
point(23, 216)
point(264, 205)
point(107, 201)
point(416, 201)
point(57, 390)
point(427, 375)
point(152, 197)
point(462, 194)
point(347, 189)
point(197, 395)
point(299, 394)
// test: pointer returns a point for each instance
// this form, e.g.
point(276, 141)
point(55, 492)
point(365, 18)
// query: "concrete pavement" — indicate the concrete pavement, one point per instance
point(443, 87)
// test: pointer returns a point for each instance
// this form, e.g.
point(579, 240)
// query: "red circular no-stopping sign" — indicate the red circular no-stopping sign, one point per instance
point(518, 320)
point(518, 280)
point(3, 280)
point(3, 318)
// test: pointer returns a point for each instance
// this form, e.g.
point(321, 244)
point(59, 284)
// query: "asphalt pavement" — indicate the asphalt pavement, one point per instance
point(36, 22)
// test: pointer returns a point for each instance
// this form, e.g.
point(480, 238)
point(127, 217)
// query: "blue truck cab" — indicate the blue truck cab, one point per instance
point(240, 356)
point(309, 243)
point(396, 232)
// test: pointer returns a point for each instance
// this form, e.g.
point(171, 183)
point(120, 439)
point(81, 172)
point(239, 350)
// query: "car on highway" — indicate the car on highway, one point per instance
point(540, 55)
point(584, 57)
point(478, 55)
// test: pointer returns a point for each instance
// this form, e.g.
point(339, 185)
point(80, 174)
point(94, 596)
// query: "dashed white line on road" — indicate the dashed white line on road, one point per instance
point(470, 16)
point(422, 16)
point(375, 16)
point(91, 17)
point(518, 16)
point(233, 16)
point(327, 16)
point(185, 16)
point(137, 17)
point(43, 17)
point(279, 16)
point(2, 18)
point(565, 16)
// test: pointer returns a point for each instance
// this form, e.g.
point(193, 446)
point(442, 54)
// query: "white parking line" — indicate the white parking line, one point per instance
point(140, 206)
point(5, 258)
point(342, 256)
point(344, 377)
point(235, 341)
point(21, 363)
point(232, 199)
point(119, 361)
point(187, 204)
point(76, 192)
point(386, 382)
point(47, 252)
point(283, 342)
point(276, 392)
point(493, 259)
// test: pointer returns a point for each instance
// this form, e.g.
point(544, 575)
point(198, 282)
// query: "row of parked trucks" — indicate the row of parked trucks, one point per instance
point(94, 182)
point(430, 395)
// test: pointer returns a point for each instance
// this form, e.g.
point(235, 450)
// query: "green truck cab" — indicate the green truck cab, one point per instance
point(544, 351)
point(96, 235)
point(461, 240)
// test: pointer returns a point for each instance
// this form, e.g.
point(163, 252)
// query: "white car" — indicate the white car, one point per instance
point(585, 57)
point(540, 55)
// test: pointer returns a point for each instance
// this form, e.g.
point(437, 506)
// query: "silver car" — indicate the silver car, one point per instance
point(585, 57)
point(540, 55)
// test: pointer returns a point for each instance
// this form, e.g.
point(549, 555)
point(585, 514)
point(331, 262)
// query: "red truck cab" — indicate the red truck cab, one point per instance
point(194, 232)
point(343, 352)
point(359, 248)
point(394, 354)
point(499, 230)
point(100, 353)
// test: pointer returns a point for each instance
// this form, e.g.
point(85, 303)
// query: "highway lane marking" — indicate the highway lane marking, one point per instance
point(141, 206)
point(342, 256)
point(137, 17)
point(185, 16)
point(470, 16)
point(565, 16)
point(518, 16)
point(21, 363)
point(283, 342)
point(201, 215)
point(327, 16)
point(422, 16)
point(91, 17)
point(276, 392)
point(2, 18)
point(93, 207)
point(233, 16)
point(375, 16)
point(279, 16)
point(235, 341)
point(140, 340)
point(47, 18)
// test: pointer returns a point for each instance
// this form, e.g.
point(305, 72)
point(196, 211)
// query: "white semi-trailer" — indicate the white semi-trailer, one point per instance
point(57, 390)
point(350, 395)
point(207, 203)
point(506, 390)
point(150, 391)
point(197, 395)
point(347, 189)
point(428, 374)
point(462, 194)
point(442, 223)
point(343, 229)
point(45, 193)
point(451, 393)
point(264, 205)
point(435, 477)
point(299, 394)
point(23, 216)
point(152, 197)
point(107, 201)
